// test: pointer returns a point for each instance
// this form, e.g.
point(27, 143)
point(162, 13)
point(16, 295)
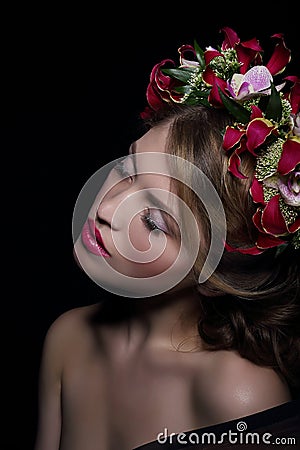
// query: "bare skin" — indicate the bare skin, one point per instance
point(116, 374)
point(110, 383)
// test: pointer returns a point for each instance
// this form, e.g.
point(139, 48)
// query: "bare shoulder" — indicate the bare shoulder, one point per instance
point(235, 387)
point(69, 329)
point(73, 318)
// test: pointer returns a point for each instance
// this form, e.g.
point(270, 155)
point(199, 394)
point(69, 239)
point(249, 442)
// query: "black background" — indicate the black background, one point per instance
point(73, 84)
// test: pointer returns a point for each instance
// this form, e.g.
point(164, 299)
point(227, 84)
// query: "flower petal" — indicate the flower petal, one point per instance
point(234, 164)
point(257, 131)
point(256, 112)
point(295, 226)
point(281, 56)
point(246, 52)
point(232, 137)
point(209, 76)
point(290, 156)
point(252, 44)
point(272, 219)
point(265, 241)
point(185, 52)
point(231, 38)
point(289, 196)
point(294, 95)
point(209, 55)
point(256, 218)
point(214, 95)
point(244, 91)
point(153, 97)
point(259, 77)
point(257, 191)
point(245, 251)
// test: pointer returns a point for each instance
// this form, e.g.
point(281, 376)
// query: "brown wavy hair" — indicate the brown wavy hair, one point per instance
point(252, 303)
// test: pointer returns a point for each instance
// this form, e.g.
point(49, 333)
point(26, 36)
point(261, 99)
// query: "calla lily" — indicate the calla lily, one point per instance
point(232, 137)
point(257, 191)
point(161, 87)
point(231, 39)
point(246, 251)
point(210, 54)
point(185, 52)
point(265, 241)
point(272, 219)
point(294, 94)
point(234, 162)
point(257, 132)
point(265, 122)
point(290, 156)
point(214, 95)
point(255, 112)
point(280, 58)
point(247, 51)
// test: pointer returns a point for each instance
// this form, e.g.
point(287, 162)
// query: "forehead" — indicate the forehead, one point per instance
point(150, 154)
point(153, 164)
point(154, 140)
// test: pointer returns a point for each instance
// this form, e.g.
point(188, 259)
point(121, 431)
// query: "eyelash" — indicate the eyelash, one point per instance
point(149, 222)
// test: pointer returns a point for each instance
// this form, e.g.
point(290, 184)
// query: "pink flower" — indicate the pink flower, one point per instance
point(288, 186)
point(290, 190)
point(256, 81)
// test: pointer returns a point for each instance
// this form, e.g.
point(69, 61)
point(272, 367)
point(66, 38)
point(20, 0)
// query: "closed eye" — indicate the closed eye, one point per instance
point(149, 222)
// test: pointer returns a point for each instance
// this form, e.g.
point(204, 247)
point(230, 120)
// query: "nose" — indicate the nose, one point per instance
point(110, 203)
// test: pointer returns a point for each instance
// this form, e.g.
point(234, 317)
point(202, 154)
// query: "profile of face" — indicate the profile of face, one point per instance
point(132, 242)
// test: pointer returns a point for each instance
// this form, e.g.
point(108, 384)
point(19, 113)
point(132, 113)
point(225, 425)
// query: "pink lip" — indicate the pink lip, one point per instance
point(92, 239)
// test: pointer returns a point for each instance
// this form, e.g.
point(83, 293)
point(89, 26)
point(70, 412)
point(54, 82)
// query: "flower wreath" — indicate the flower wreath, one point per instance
point(267, 123)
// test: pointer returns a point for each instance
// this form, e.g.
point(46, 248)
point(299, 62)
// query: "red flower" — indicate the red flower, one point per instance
point(269, 219)
point(281, 56)
point(294, 95)
point(161, 88)
point(246, 138)
point(234, 77)
point(247, 51)
point(250, 52)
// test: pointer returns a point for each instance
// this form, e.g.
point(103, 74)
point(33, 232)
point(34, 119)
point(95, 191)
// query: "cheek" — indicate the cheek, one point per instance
point(138, 235)
point(164, 261)
point(149, 259)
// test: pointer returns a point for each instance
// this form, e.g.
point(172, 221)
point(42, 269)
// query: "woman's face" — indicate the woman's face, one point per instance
point(131, 237)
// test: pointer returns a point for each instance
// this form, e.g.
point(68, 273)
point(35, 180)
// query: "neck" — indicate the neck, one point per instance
point(166, 321)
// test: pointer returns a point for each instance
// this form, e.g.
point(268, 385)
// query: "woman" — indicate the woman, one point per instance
point(193, 338)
